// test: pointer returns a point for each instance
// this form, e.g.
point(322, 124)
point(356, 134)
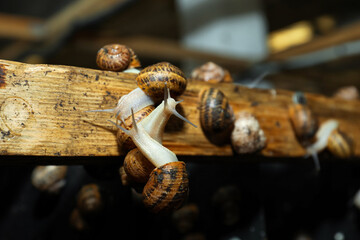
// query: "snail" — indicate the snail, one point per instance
point(184, 219)
point(340, 145)
point(137, 167)
point(212, 73)
point(116, 57)
point(168, 184)
point(216, 116)
point(302, 119)
point(50, 179)
point(347, 93)
point(247, 136)
point(89, 200)
point(151, 81)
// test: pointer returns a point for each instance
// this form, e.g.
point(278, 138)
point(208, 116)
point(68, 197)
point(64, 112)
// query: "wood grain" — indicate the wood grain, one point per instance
point(42, 113)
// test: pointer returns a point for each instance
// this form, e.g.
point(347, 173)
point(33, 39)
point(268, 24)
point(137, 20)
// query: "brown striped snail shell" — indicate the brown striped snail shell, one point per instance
point(123, 139)
point(116, 57)
point(216, 116)
point(247, 136)
point(347, 93)
point(152, 80)
point(212, 73)
point(340, 145)
point(49, 179)
point(134, 60)
point(137, 167)
point(89, 200)
point(303, 121)
point(167, 188)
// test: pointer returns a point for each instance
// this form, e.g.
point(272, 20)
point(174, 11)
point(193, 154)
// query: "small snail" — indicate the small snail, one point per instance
point(77, 221)
point(49, 179)
point(212, 73)
point(302, 119)
point(168, 185)
point(340, 145)
point(347, 93)
point(89, 200)
point(216, 116)
point(247, 136)
point(116, 57)
point(184, 219)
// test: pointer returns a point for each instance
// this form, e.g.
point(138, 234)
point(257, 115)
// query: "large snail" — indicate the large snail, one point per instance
point(50, 179)
point(216, 116)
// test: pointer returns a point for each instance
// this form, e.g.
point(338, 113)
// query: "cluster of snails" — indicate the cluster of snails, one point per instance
point(140, 130)
point(218, 121)
point(316, 138)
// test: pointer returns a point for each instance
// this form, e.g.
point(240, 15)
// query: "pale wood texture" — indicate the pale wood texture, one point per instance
point(42, 113)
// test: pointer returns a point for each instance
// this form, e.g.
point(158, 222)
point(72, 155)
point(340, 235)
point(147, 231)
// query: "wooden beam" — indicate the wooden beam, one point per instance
point(42, 113)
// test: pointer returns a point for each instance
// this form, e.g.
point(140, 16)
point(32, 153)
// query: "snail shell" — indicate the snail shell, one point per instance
point(347, 93)
point(113, 57)
point(247, 136)
point(216, 116)
point(211, 72)
point(134, 60)
point(137, 167)
point(123, 139)
point(152, 80)
point(340, 145)
point(77, 221)
point(303, 121)
point(167, 187)
point(49, 178)
point(89, 201)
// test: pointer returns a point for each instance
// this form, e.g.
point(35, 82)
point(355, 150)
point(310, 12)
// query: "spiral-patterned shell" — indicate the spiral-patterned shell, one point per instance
point(89, 200)
point(303, 121)
point(340, 145)
point(216, 116)
point(113, 57)
point(152, 80)
point(49, 178)
point(167, 188)
point(123, 139)
point(137, 167)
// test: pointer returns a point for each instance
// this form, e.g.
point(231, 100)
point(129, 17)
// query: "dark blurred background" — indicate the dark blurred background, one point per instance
point(310, 46)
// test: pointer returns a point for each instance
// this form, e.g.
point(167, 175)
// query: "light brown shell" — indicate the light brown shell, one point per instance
point(124, 140)
point(216, 116)
point(167, 188)
point(212, 73)
point(89, 200)
point(113, 57)
point(49, 178)
point(134, 60)
point(347, 93)
point(303, 121)
point(247, 136)
point(152, 80)
point(137, 167)
point(340, 145)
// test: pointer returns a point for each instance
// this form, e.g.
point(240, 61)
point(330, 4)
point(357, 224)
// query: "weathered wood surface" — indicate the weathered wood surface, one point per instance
point(42, 113)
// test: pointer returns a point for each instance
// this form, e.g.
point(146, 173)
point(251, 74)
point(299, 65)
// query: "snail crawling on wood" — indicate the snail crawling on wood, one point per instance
point(328, 136)
point(50, 179)
point(212, 73)
point(116, 57)
point(216, 116)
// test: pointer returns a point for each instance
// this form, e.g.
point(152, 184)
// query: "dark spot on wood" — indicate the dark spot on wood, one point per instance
point(4, 134)
point(46, 72)
point(74, 108)
point(277, 123)
point(57, 154)
point(253, 104)
point(236, 89)
point(61, 103)
point(97, 77)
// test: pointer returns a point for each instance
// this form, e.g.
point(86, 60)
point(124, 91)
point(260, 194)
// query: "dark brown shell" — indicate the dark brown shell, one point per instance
point(212, 73)
point(113, 57)
point(49, 178)
point(152, 80)
point(167, 188)
point(216, 116)
point(77, 221)
point(303, 121)
point(137, 167)
point(340, 145)
point(124, 140)
point(89, 201)
point(247, 136)
point(347, 93)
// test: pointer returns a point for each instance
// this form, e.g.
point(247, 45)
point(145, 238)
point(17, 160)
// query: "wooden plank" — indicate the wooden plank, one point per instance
point(42, 113)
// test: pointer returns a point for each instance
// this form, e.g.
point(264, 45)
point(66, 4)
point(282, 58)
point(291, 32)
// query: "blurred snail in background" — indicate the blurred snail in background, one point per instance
point(116, 57)
point(347, 93)
point(184, 219)
point(50, 179)
point(247, 136)
point(302, 119)
point(89, 200)
point(212, 73)
point(216, 116)
point(340, 145)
